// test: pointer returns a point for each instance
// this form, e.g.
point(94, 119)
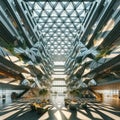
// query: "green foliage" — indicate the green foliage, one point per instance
point(24, 45)
point(3, 43)
point(11, 49)
point(102, 53)
point(74, 92)
point(8, 46)
point(64, 92)
point(43, 92)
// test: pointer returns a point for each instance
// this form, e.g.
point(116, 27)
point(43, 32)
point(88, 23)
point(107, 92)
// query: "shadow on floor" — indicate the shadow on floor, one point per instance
point(94, 111)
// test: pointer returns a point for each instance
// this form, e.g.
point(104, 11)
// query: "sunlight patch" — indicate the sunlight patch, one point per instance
point(5, 116)
point(82, 117)
point(95, 106)
point(54, 108)
point(83, 111)
point(64, 108)
point(9, 109)
point(96, 115)
point(58, 115)
point(67, 114)
point(44, 116)
point(22, 113)
point(59, 106)
point(92, 109)
point(115, 117)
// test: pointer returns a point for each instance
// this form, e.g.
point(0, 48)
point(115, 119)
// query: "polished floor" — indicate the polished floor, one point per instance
point(95, 111)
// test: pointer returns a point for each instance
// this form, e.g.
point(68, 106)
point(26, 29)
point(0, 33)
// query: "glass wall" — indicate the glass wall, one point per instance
point(5, 96)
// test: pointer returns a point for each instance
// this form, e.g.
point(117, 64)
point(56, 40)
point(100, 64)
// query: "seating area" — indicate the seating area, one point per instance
point(77, 103)
point(21, 110)
point(40, 107)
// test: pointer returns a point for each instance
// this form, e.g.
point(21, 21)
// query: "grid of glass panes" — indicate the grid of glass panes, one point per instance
point(58, 89)
point(59, 22)
point(59, 82)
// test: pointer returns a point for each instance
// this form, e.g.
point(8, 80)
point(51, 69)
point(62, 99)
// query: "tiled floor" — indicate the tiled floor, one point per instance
point(95, 111)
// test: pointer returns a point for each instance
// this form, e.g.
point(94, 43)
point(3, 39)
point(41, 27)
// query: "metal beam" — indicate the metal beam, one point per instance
point(15, 87)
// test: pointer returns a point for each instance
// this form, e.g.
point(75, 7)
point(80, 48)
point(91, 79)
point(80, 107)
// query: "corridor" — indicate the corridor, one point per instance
point(59, 59)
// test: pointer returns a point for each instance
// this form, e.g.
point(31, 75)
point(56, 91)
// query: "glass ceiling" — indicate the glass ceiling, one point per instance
point(59, 22)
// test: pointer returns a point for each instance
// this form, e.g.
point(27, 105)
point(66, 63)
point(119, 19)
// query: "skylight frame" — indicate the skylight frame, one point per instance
point(59, 20)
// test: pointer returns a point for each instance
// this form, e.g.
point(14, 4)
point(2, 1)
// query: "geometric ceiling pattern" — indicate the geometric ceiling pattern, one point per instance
point(59, 22)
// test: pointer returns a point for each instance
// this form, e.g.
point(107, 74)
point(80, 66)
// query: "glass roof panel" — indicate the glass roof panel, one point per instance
point(35, 14)
point(70, 6)
point(59, 7)
point(48, 6)
point(43, 14)
point(37, 7)
point(59, 22)
point(64, 14)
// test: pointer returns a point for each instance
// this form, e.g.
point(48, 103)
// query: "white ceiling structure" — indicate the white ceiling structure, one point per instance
point(59, 22)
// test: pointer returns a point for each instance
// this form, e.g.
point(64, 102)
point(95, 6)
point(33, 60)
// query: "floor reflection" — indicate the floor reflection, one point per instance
point(95, 111)
point(115, 102)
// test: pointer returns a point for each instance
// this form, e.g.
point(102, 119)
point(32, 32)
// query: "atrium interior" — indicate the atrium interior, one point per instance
point(60, 60)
